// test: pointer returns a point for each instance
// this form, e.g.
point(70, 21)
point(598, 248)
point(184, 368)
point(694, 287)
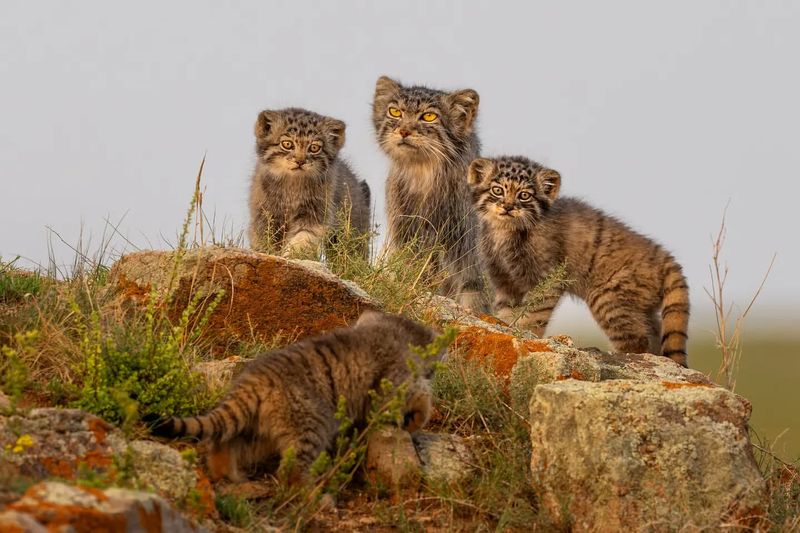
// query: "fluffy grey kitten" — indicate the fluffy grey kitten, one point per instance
point(301, 189)
point(429, 136)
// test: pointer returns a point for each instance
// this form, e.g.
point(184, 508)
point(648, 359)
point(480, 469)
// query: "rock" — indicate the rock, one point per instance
point(55, 506)
point(391, 459)
point(14, 521)
point(548, 359)
point(630, 455)
point(647, 367)
point(444, 457)
point(71, 444)
point(487, 339)
point(397, 458)
point(536, 368)
point(262, 296)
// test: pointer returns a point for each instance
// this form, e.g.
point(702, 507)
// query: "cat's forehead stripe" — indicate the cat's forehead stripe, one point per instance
point(516, 169)
point(419, 96)
point(302, 123)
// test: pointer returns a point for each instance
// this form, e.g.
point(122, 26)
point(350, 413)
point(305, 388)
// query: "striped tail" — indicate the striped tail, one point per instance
point(675, 314)
point(365, 191)
point(229, 418)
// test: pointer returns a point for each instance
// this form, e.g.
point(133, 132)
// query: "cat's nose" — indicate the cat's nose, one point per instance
point(300, 161)
point(404, 133)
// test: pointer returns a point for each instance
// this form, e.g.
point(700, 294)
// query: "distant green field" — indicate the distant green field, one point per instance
point(769, 376)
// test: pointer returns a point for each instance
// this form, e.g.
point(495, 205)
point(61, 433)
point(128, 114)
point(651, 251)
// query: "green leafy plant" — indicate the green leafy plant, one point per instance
point(145, 362)
point(234, 510)
point(14, 373)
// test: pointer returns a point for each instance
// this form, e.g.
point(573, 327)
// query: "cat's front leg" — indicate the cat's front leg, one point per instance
point(305, 243)
point(505, 300)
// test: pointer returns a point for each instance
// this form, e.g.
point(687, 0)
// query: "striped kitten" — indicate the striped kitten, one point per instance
point(634, 288)
point(287, 398)
point(300, 186)
point(430, 138)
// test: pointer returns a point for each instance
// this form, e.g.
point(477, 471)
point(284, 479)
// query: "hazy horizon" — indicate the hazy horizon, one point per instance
point(661, 114)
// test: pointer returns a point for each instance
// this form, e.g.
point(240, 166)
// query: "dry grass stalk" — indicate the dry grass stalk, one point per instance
point(729, 330)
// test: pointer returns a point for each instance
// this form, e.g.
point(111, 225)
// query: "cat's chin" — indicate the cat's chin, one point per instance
point(404, 151)
point(506, 222)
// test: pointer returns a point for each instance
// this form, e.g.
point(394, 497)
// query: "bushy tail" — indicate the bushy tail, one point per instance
point(229, 418)
point(675, 314)
point(366, 192)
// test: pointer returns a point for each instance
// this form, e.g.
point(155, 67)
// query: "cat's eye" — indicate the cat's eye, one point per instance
point(497, 190)
point(394, 112)
point(314, 148)
point(429, 117)
point(287, 145)
point(525, 196)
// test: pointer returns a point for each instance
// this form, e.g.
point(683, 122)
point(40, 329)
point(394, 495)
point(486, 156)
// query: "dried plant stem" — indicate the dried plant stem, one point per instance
point(728, 335)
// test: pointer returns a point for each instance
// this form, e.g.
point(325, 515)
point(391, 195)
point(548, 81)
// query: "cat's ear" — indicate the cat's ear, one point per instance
point(464, 109)
point(335, 130)
point(480, 170)
point(386, 86)
point(549, 182)
point(265, 123)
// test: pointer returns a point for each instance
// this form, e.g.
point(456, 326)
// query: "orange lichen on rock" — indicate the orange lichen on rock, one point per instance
point(573, 375)
point(59, 516)
point(501, 349)
point(536, 345)
point(99, 428)
point(679, 384)
point(205, 505)
point(262, 296)
point(59, 467)
point(489, 319)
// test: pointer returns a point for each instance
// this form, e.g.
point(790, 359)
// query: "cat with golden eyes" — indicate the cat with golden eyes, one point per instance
point(429, 136)
point(301, 189)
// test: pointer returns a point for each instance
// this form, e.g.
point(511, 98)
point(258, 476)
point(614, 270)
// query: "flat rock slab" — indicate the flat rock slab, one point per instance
point(262, 296)
point(55, 506)
point(628, 455)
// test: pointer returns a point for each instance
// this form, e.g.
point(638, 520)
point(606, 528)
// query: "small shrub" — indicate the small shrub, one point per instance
point(234, 510)
point(144, 362)
point(14, 373)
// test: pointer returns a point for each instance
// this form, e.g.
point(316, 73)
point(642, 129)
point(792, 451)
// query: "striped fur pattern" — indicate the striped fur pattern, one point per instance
point(300, 184)
point(429, 136)
point(288, 398)
point(634, 288)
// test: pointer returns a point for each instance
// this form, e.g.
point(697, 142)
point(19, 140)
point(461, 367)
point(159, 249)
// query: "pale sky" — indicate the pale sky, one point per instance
point(658, 112)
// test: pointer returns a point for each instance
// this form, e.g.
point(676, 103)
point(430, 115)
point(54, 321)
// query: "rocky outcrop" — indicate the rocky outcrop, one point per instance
point(630, 455)
point(55, 506)
point(619, 441)
point(258, 296)
point(72, 445)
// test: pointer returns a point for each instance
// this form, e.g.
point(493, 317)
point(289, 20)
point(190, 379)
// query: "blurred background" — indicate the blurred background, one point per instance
point(661, 114)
